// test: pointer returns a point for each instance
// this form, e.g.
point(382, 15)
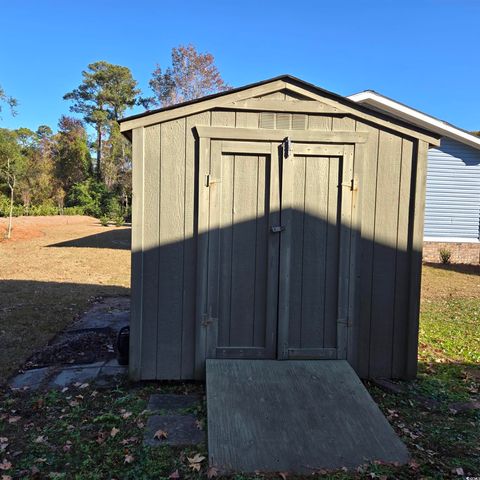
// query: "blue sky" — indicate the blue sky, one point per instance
point(424, 53)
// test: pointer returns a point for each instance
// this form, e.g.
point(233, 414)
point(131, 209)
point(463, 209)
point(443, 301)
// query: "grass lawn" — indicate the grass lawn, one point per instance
point(83, 433)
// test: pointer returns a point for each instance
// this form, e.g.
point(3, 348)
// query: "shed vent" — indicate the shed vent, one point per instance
point(283, 121)
point(299, 121)
point(267, 120)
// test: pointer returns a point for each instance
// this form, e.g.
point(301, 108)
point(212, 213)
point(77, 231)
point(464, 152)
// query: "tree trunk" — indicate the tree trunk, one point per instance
point(99, 152)
point(9, 230)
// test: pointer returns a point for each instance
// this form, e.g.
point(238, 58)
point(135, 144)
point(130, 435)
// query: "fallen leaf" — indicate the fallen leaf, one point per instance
point(160, 435)
point(84, 385)
point(195, 462)
point(5, 465)
point(3, 443)
point(74, 403)
point(40, 439)
point(64, 389)
point(6, 477)
point(129, 440)
point(199, 424)
point(101, 437)
point(283, 475)
point(40, 460)
point(14, 419)
point(126, 415)
point(67, 446)
point(459, 471)
point(34, 470)
point(114, 431)
point(140, 425)
point(174, 475)
point(129, 458)
point(213, 472)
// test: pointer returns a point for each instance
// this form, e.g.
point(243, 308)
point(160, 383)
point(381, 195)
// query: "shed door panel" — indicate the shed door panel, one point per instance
point(310, 214)
point(246, 299)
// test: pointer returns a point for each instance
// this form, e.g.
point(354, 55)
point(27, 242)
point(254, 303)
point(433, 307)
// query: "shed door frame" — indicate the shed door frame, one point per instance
point(350, 144)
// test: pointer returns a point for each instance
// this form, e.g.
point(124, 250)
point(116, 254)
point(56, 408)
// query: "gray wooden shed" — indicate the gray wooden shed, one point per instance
point(275, 221)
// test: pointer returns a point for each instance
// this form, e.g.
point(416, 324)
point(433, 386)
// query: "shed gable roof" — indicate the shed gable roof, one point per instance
point(305, 97)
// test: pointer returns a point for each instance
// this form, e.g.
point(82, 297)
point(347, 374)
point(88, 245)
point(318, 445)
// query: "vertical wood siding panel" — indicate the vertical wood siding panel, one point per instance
point(151, 251)
point(226, 243)
point(171, 258)
point(297, 242)
point(368, 194)
point(244, 247)
point(402, 282)
point(332, 260)
point(223, 118)
point(384, 255)
point(314, 252)
point(135, 363)
point(247, 119)
point(417, 206)
point(261, 252)
point(189, 283)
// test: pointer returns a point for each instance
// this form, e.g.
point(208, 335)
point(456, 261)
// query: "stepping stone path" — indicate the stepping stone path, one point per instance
point(173, 417)
point(102, 374)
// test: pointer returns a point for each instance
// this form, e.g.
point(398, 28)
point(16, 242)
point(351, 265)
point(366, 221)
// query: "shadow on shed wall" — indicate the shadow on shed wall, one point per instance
point(384, 334)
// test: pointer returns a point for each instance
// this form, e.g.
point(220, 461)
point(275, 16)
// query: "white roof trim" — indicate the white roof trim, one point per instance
point(379, 102)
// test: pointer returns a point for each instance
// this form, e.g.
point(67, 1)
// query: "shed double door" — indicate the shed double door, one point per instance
point(275, 274)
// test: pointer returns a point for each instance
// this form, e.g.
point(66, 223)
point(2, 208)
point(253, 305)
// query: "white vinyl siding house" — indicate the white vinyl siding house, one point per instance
point(452, 206)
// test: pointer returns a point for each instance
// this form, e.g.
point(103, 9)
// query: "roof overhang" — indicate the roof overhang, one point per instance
point(399, 110)
point(337, 104)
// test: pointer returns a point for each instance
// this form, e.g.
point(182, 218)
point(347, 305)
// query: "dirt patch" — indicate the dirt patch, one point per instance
point(28, 228)
point(76, 348)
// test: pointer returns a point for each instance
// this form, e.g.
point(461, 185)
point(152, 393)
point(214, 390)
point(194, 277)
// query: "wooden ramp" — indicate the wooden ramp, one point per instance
point(294, 416)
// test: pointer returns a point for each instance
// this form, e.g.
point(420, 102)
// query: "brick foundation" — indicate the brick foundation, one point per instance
point(461, 252)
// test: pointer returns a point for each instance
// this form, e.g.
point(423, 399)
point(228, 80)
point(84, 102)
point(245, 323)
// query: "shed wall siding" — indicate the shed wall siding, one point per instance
point(166, 187)
point(453, 192)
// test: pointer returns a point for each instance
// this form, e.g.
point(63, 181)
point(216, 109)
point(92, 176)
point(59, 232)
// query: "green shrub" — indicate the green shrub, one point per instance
point(73, 211)
point(90, 195)
point(445, 255)
point(118, 220)
point(104, 220)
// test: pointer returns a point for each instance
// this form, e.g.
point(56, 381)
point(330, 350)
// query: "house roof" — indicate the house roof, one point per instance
point(399, 110)
point(288, 82)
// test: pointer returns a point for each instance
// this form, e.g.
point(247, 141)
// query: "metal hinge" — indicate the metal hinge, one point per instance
point(210, 181)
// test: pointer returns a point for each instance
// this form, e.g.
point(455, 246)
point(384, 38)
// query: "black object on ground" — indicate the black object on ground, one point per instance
point(123, 342)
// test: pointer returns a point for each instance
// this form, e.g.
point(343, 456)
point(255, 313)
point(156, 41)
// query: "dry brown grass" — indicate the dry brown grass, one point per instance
point(450, 281)
point(49, 271)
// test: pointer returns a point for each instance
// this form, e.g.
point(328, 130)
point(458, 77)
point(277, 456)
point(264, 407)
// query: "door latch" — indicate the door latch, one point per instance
point(277, 228)
point(287, 147)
